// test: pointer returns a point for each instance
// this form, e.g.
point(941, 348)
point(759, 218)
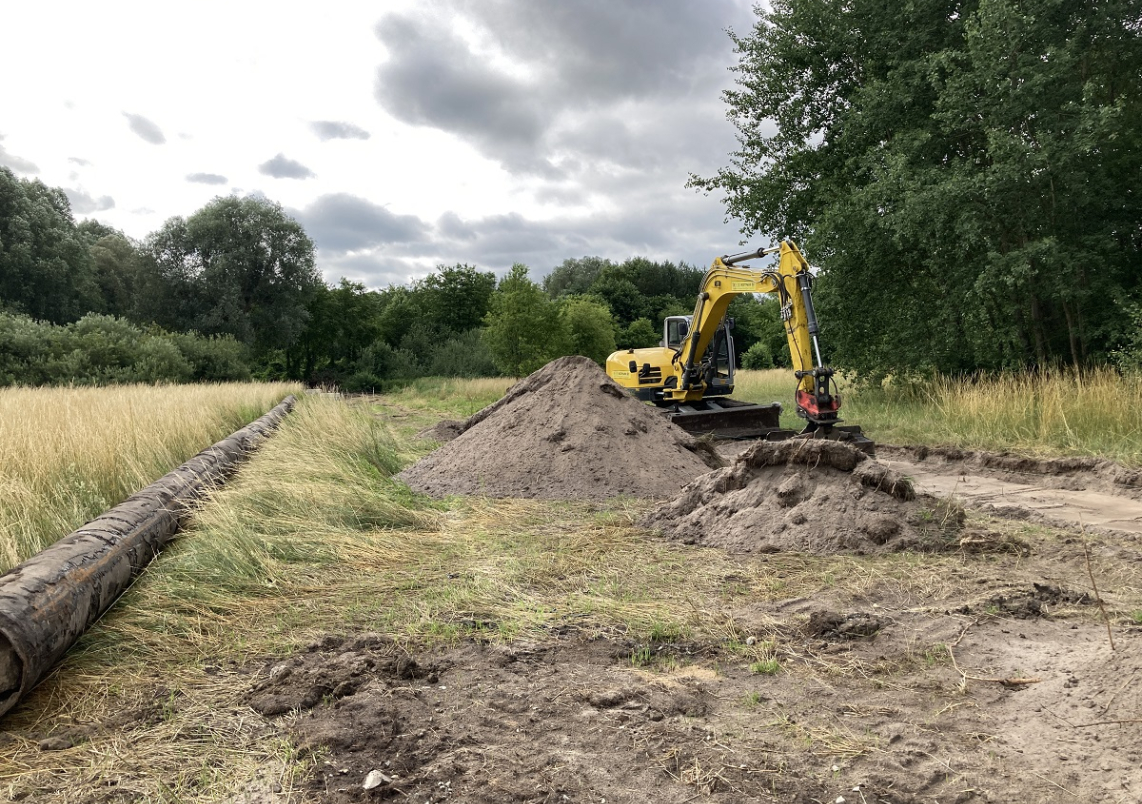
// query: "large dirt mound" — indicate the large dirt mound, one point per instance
point(806, 496)
point(565, 432)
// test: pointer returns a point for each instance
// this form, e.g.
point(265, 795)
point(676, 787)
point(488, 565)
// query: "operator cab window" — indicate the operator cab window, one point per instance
point(676, 329)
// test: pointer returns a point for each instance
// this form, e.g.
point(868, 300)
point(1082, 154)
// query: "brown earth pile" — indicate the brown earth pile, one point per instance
point(810, 496)
point(565, 432)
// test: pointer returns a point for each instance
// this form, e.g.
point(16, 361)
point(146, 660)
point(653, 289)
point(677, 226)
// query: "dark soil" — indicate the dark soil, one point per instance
point(565, 432)
point(576, 719)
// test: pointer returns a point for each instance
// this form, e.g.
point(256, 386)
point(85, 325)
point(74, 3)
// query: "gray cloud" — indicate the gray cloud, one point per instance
point(84, 204)
point(75, 160)
point(207, 178)
point(16, 163)
point(589, 80)
point(433, 79)
point(336, 130)
point(145, 129)
point(341, 222)
point(595, 105)
point(366, 243)
point(281, 167)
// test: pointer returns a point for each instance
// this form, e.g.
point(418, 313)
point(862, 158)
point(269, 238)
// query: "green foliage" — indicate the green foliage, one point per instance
point(239, 267)
point(588, 327)
point(766, 667)
point(962, 173)
point(758, 356)
point(641, 334)
point(521, 325)
point(1128, 357)
point(465, 355)
point(102, 350)
point(574, 277)
point(456, 299)
point(213, 358)
point(45, 270)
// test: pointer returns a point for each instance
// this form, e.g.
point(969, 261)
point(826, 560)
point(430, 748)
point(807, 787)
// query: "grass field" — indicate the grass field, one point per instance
point(315, 537)
point(71, 453)
point(1053, 413)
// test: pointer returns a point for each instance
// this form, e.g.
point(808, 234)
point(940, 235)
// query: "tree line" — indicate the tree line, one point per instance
point(234, 291)
point(965, 172)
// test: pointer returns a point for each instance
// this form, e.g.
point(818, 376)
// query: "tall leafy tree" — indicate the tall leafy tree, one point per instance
point(962, 170)
point(456, 298)
point(45, 270)
point(588, 326)
point(521, 328)
point(238, 266)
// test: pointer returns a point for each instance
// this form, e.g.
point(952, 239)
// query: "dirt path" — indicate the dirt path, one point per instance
point(1048, 493)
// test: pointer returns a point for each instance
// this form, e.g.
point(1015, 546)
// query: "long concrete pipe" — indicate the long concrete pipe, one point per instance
point(47, 602)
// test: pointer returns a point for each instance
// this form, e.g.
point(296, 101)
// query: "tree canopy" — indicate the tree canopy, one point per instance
point(240, 267)
point(964, 172)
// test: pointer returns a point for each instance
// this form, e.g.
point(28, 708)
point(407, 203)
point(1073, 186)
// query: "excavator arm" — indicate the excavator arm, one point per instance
point(791, 280)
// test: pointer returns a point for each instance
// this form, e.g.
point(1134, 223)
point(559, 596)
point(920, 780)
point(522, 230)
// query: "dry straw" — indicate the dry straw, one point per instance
point(68, 454)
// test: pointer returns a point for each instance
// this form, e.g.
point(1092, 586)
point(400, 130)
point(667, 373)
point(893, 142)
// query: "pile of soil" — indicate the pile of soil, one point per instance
point(809, 496)
point(565, 432)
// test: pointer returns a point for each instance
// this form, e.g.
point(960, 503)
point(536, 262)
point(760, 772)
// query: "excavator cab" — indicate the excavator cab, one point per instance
point(719, 357)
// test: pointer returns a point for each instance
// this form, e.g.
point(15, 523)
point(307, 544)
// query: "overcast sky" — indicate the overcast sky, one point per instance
point(402, 135)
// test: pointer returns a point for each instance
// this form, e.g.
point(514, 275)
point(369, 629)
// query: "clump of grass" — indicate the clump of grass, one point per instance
point(451, 396)
point(325, 479)
point(765, 667)
point(1136, 617)
point(71, 453)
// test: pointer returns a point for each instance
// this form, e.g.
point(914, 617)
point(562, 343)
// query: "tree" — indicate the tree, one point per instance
point(238, 266)
point(589, 327)
point(342, 323)
point(456, 299)
point(45, 270)
point(521, 328)
point(641, 334)
point(574, 277)
point(961, 170)
point(118, 270)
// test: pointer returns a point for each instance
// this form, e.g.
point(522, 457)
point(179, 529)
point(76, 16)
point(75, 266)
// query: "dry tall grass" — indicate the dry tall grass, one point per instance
point(1051, 413)
point(67, 454)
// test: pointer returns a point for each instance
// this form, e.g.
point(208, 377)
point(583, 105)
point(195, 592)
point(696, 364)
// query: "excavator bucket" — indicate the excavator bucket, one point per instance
point(724, 418)
point(728, 418)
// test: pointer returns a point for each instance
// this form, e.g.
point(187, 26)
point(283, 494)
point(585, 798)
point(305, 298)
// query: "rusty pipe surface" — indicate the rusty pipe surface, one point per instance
point(48, 601)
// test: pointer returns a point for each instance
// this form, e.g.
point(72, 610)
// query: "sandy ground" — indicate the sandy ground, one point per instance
point(999, 686)
point(989, 677)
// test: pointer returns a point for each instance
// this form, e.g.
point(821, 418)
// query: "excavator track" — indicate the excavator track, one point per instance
point(727, 418)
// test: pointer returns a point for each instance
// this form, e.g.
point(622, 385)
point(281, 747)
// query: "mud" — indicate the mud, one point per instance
point(565, 432)
point(806, 496)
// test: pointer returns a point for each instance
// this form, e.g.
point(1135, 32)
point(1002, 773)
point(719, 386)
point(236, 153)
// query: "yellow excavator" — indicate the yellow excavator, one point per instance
point(691, 374)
